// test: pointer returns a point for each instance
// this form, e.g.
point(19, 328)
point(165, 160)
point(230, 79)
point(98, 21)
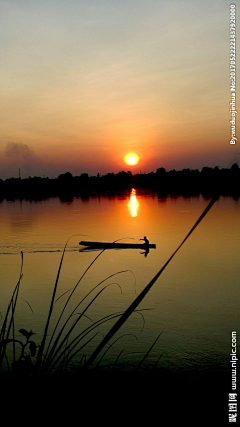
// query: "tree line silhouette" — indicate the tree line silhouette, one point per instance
point(186, 182)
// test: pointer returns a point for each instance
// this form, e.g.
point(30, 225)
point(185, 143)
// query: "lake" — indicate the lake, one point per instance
point(193, 307)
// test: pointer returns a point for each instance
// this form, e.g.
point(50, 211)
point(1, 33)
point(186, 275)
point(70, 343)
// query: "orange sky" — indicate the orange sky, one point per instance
point(84, 83)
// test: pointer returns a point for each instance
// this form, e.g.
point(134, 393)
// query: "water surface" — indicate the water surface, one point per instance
point(194, 304)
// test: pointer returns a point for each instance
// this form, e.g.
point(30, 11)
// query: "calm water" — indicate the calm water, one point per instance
point(194, 304)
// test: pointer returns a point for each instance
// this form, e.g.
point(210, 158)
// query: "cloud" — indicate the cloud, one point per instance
point(20, 151)
point(20, 156)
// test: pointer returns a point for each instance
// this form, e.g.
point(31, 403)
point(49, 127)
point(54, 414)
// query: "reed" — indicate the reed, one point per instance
point(8, 323)
point(56, 352)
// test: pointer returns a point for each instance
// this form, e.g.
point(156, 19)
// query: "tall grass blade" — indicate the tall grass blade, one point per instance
point(6, 328)
point(50, 354)
point(141, 296)
point(111, 346)
point(62, 312)
point(146, 355)
point(55, 350)
point(57, 361)
point(42, 345)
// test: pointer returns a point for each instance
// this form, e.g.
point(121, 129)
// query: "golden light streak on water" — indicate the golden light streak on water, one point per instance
point(133, 204)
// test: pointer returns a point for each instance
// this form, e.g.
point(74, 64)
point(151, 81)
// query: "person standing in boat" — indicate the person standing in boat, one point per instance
point(145, 240)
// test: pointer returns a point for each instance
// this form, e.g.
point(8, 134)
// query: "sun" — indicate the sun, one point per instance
point(131, 159)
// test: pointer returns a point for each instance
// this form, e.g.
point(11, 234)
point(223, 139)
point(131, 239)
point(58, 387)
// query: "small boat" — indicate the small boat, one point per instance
point(116, 245)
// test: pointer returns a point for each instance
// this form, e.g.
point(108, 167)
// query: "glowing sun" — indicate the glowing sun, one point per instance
point(131, 159)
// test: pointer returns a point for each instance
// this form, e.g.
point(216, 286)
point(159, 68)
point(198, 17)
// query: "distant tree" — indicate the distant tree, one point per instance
point(65, 176)
point(123, 174)
point(235, 167)
point(161, 170)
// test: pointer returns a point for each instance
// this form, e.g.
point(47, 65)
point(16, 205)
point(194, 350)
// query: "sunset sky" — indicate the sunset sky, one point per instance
point(85, 82)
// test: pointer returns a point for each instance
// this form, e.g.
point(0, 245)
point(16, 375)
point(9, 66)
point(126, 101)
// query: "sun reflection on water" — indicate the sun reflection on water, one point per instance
point(133, 204)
